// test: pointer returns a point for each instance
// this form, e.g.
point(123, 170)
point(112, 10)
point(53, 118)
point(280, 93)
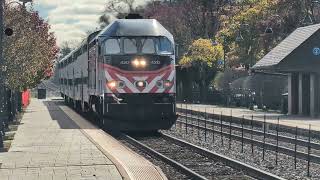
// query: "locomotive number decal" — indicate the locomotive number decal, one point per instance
point(155, 62)
point(124, 62)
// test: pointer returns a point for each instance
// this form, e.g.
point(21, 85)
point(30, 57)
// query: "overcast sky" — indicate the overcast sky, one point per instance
point(71, 19)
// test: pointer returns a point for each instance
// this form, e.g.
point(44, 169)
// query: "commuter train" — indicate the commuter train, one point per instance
point(125, 74)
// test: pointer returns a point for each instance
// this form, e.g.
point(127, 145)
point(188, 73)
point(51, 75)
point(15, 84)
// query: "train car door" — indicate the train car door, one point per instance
point(73, 85)
point(92, 66)
point(81, 89)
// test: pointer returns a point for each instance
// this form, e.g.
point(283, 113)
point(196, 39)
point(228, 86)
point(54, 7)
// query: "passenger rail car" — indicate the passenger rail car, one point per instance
point(126, 74)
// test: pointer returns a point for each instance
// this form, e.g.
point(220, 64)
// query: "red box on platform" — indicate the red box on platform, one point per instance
point(25, 98)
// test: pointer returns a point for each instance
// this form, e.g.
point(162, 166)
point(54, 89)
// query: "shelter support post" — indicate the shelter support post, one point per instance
point(290, 94)
point(300, 94)
point(312, 95)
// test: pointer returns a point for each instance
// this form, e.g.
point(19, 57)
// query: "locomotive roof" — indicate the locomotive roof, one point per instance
point(130, 27)
point(135, 27)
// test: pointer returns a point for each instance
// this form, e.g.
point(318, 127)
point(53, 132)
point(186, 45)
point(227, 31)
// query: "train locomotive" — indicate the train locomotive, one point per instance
point(125, 74)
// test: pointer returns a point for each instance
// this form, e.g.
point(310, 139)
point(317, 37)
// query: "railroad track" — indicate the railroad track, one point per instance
point(194, 161)
point(207, 125)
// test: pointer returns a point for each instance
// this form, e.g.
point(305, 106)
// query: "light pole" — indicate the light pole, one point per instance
point(224, 52)
point(215, 43)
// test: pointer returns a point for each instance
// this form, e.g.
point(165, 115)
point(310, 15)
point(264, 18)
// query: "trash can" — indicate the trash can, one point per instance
point(42, 93)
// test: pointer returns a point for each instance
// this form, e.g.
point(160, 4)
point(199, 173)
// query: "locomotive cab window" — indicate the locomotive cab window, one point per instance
point(130, 46)
point(164, 46)
point(112, 46)
point(148, 46)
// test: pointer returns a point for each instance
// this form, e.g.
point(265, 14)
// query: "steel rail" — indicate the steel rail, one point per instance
point(249, 170)
point(268, 146)
point(286, 139)
point(162, 157)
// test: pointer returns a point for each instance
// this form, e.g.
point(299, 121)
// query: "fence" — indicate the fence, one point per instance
point(239, 97)
point(13, 102)
point(249, 133)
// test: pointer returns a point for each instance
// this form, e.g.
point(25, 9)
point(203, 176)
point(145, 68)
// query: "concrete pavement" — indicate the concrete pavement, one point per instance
point(50, 146)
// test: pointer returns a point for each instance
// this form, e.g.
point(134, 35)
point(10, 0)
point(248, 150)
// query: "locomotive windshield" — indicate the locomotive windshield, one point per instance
point(113, 46)
point(138, 45)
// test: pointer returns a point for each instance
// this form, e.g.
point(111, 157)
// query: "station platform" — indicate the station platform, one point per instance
point(55, 143)
point(271, 116)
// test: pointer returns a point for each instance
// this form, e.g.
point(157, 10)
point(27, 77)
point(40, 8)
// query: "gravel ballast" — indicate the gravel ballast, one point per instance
point(285, 167)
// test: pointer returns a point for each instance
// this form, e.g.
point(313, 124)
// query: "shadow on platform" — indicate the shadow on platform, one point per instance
point(64, 121)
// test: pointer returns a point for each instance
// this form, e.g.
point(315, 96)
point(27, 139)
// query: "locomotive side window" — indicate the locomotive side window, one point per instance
point(147, 46)
point(130, 46)
point(112, 46)
point(165, 46)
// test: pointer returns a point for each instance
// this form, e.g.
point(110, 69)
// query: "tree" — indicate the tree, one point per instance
point(187, 20)
point(251, 18)
point(31, 52)
point(65, 49)
point(104, 20)
point(118, 9)
point(201, 62)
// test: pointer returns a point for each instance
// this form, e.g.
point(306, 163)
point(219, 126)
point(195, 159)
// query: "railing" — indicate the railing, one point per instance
point(13, 102)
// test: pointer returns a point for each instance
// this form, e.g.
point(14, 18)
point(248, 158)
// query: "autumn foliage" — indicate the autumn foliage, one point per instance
point(202, 51)
point(30, 52)
point(201, 60)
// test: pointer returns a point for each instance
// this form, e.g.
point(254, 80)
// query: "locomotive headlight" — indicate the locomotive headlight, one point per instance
point(167, 84)
point(143, 63)
point(139, 63)
point(159, 84)
point(116, 84)
point(112, 84)
point(140, 84)
point(136, 62)
point(121, 84)
point(164, 84)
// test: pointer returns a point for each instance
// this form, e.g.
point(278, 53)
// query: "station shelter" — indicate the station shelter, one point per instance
point(298, 56)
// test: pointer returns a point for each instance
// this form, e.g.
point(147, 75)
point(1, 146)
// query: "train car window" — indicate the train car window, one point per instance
point(84, 48)
point(69, 60)
point(92, 44)
point(77, 54)
point(165, 46)
point(112, 46)
point(147, 46)
point(130, 46)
